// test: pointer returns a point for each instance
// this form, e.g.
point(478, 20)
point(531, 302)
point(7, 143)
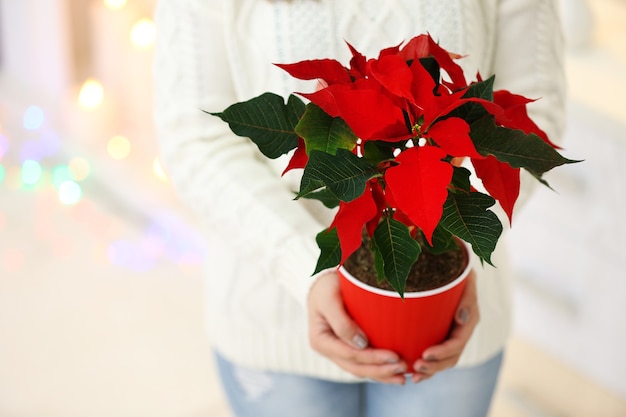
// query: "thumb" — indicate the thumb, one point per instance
point(344, 327)
point(468, 304)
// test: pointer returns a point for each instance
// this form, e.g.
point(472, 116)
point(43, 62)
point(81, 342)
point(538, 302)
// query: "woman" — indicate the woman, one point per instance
point(283, 343)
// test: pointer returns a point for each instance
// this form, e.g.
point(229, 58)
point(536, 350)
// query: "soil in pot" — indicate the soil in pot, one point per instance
point(429, 272)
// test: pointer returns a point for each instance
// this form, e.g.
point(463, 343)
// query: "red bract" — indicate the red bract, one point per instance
point(299, 157)
point(501, 181)
point(515, 115)
point(424, 46)
point(328, 70)
point(350, 220)
point(452, 135)
point(419, 185)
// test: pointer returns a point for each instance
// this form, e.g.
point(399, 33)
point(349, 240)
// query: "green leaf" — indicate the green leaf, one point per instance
point(443, 241)
point(324, 133)
point(515, 147)
point(377, 151)
point(325, 196)
point(398, 251)
point(482, 89)
point(379, 264)
point(267, 121)
point(467, 216)
point(461, 179)
point(470, 112)
point(330, 256)
point(344, 173)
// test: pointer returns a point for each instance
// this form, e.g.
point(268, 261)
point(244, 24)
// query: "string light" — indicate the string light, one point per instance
point(33, 118)
point(118, 147)
point(143, 33)
point(158, 169)
point(31, 172)
point(114, 4)
point(91, 94)
point(79, 168)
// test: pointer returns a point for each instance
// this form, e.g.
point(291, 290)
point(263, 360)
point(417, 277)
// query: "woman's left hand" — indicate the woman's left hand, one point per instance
point(446, 355)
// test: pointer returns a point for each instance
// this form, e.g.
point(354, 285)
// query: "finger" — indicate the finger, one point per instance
point(326, 342)
point(429, 368)
point(389, 374)
point(336, 316)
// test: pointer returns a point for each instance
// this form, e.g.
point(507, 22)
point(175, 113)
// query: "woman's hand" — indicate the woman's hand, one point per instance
point(335, 335)
point(446, 355)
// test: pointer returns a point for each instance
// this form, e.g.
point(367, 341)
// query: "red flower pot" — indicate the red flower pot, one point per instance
point(408, 326)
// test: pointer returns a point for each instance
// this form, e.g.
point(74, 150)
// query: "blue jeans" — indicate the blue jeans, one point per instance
point(457, 392)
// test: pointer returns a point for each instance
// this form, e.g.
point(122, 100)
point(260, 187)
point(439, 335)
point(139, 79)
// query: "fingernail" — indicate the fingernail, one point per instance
point(417, 378)
point(400, 369)
point(463, 315)
point(359, 341)
point(391, 360)
point(422, 369)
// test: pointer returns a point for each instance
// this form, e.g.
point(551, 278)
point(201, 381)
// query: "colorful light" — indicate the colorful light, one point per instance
point(143, 33)
point(79, 168)
point(118, 147)
point(158, 169)
point(70, 193)
point(60, 174)
point(33, 118)
point(114, 4)
point(31, 172)
point(2, 173)
point(91, 94)
point(49, 143)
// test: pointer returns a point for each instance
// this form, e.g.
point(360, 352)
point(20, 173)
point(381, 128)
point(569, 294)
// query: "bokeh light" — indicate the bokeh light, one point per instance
point(79, 168)
point(158, 169)
point(31, 150)
point(91, 94)
point(49, 143)
point(118, 147)
point(70, 193)
point(2, 173)
point(33, 118)
point(60, 174)
point(143, 33)
point(114, 4)
point(31, 172)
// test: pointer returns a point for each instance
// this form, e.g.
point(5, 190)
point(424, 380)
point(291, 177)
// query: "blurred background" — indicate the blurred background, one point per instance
point(100, 266)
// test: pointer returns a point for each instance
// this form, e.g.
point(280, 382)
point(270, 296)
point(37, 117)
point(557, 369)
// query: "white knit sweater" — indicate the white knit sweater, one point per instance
point(211, 53)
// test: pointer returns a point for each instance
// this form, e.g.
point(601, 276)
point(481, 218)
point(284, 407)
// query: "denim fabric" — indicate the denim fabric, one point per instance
point(458, 392)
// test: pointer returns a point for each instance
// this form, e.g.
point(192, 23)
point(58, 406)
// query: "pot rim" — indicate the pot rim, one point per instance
point(415, 294)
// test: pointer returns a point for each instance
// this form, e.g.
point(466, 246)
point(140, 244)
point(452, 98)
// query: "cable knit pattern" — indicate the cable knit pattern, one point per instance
point(211, 53)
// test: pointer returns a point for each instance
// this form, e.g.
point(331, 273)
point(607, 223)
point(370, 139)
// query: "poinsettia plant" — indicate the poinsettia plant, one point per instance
point(381, 140)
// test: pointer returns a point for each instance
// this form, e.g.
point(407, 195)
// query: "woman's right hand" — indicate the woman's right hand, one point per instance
point(335, 335)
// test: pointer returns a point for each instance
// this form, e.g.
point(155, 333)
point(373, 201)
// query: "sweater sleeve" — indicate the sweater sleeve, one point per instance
point(221, 176)
point(529, 60)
